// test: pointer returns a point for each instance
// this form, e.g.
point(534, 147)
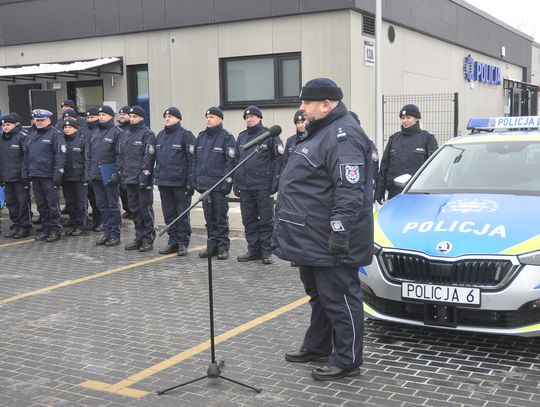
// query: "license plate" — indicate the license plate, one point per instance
point(441, 293)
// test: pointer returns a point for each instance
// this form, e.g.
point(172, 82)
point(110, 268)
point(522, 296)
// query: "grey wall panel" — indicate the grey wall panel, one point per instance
point(234, 10)
point(311, 6)
point(107, 17)
point(153, 14)
point(284, 7)
point(180, 13)
point(130, 15)
point(439, 19)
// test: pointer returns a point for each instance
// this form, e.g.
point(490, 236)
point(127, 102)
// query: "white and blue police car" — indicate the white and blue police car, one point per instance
point(460, 247)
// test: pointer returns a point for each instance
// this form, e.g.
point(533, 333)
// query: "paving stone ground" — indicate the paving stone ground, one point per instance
point(76, 326)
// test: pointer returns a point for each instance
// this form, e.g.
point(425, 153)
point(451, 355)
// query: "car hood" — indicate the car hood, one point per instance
point(459, 224)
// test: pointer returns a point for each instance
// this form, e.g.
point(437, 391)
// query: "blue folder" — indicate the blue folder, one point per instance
point(2, 201)
point(107, 171)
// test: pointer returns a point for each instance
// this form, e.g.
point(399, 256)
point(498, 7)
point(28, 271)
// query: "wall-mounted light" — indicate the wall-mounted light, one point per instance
point(503, 51)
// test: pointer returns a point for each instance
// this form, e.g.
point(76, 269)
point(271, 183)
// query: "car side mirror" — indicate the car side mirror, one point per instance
point(402, 180)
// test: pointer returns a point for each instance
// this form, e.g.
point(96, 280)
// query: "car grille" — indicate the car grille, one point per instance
point(410, 267)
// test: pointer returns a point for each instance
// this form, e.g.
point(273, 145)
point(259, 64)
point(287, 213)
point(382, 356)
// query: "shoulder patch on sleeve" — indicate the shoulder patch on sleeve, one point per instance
point(341, 135)
point(350, 172)
point(337, 226)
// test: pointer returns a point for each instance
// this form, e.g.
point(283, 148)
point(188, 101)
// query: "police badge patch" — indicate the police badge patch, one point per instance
point(63, 148)
point(351, 172)
point(151, 149)
point(337, 226)
point(191, 148)
point(280, 149)
point(231, 152)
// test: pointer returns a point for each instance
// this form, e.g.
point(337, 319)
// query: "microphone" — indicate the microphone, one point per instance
point(273, 131)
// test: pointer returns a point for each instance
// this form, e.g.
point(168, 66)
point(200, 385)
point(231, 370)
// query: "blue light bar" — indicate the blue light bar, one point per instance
point(491, 123)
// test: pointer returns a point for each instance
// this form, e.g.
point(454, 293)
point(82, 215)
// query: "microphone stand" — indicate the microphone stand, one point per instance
point(214, 370)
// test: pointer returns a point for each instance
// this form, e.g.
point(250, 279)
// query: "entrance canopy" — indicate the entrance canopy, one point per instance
point(72, 69)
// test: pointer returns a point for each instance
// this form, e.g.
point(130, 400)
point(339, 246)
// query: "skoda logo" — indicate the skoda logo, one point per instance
point(444, 247)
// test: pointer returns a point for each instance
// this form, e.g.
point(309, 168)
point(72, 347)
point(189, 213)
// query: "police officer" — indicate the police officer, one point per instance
point(138, 158)
point(290, 144)
point(123, 124)
point(74, 180)
point(69, 108)
point(13, 177)
point(214, 157)
point(405, 152)
point(255, 182)
point(92, 126)
point(324, 223)
point(175, 149)
point(44, 161)
point(103, 167)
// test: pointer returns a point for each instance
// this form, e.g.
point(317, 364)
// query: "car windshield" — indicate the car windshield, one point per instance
point(494, 167)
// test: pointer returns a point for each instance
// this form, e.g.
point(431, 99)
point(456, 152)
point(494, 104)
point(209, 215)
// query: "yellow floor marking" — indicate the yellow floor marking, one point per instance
point(122, 387)
point(16, 243)
point(91, 277)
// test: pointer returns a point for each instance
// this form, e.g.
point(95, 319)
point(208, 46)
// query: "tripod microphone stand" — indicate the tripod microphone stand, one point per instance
point(214, 370)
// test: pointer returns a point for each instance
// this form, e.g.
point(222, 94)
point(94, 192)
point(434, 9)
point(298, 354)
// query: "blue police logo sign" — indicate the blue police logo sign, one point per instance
point(468, 68)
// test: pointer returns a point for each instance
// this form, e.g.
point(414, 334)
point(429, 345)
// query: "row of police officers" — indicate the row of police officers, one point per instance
point(96, 159)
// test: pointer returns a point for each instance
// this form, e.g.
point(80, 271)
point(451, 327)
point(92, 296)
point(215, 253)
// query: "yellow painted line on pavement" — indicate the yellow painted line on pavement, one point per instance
point(18, 242)
point(122, 387)
point(90, 277)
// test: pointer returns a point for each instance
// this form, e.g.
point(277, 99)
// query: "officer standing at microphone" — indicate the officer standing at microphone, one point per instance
point(137, 173)
point(324, 223)
point(214, 157)
point(175, 149)
point(255, 182)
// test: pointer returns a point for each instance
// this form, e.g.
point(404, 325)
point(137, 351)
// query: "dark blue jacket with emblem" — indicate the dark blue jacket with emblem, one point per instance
point(262, 170)
point(12, 150)
point(138, 155)
point(46, 151)
point(175, 149)
point(104, 148)
point(76, 157)
point(326, 187)
point(215, 156)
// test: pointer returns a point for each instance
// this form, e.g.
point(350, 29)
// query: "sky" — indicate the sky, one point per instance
point(521, 14)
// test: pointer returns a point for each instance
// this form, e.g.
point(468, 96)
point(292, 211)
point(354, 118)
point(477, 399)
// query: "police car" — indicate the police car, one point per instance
point(460, 247)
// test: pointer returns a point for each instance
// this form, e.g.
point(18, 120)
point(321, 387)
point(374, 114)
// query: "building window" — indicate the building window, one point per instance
point(262, 80)
point(138, 88)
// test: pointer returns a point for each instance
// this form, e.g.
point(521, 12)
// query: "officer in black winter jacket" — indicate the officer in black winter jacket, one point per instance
point(103, 168)
point(175, 148)
point(13, 177)
point(405, 152)
point(215, 156)
point(74, 180)
point(69, 108)
point(44, 162)
point(292, 141)
point(324, 223)
point(92, 126)
point(255, 182)
point(123, 124)
point(138, 158)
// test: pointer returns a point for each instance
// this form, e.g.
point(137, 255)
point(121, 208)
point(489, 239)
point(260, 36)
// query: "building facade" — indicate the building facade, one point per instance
point(198, 53)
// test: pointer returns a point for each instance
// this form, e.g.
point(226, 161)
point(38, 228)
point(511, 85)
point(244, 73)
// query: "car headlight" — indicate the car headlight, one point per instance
point(532, 258)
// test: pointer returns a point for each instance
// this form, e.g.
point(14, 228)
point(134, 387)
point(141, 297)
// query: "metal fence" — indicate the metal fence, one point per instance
point(439, 114)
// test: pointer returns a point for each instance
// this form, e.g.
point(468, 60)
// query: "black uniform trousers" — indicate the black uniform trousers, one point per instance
point(108, 207)
point(47, 201)
point(75, 195)
point(17, 197)
point(124, 199)
point(216, 214)
point(174, 201)
point(96, 220)
point(140, 203)
point(337, 315)
point(257, 209)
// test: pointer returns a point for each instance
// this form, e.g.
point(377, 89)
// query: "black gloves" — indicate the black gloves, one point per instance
point(274, 188)
point(189, 190)
point(379, 198)
point(26, 182)
point(236, 192)
point(142, 187)
point(115, 179)
point(338, 243)
point(57, 182)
